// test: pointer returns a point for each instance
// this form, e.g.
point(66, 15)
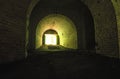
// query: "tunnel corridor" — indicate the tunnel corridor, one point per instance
point(59, 39)
point(74, 26)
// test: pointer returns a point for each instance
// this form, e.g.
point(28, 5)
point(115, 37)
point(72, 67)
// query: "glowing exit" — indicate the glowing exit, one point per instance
point(50, 39)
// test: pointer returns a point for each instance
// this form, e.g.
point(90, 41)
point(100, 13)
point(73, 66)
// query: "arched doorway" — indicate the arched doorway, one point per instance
point(50, 37)
point(56, 29)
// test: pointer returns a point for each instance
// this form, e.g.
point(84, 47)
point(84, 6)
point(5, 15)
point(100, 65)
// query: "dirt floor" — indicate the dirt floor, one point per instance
point(62, 65)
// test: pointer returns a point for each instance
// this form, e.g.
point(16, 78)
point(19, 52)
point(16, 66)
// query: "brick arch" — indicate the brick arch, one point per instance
point(64, 26)
point(105, 25)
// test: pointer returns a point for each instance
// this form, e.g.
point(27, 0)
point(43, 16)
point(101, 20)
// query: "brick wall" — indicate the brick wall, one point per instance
point(12, 29)
point(105, 26)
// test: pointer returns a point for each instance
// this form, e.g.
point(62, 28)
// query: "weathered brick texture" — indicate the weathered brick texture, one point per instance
point(12, 29)
point(105, 26)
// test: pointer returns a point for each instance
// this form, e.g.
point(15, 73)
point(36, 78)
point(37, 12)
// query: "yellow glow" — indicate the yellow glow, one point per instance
point(50, 39)
point(65, 28)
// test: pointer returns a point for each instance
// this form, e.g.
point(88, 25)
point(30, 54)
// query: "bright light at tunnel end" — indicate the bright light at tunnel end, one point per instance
point(50, 39)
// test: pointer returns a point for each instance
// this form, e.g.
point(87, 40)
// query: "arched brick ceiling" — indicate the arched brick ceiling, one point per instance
point(105, 22)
